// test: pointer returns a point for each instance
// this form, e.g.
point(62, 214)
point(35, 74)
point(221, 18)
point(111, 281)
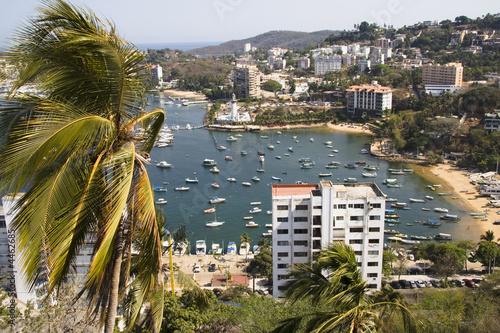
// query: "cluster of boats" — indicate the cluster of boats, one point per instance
point(232, 249)
point(165, 138)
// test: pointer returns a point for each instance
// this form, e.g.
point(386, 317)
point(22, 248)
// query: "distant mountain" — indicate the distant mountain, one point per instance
point(282, 38)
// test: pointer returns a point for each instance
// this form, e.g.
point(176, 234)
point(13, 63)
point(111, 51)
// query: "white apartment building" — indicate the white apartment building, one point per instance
point(157, 74)
point(370, 98)
point(450, 74)
point(307, 218)
point(492, 121)
point(303, 63)
point(322, 65)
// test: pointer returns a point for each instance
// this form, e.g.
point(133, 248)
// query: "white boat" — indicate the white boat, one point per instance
point(231, 248)
point(247, 217)
point(255, 203)
point(256, 249)
point(255, 179)
point(278, 157)
point(269, 212)
point(244, 249)
point(214, 223)
point(276, 178)
point(270, 146)
point(215, 185)
point(209, 210)
point(215, 200)
point(243, 153)
point(231, 180)
point(417, 200)
point(161, 201)
point(231, 138)
point(209, 162)
point(201, 247)
point(221, 147)
point(255, 210)
point(260, 170)
point(159, 189)
point(181, 188)
point(164, 164)
point(190, 180)
point(441, 210)
point(269, 225)
point(335, 150)
point(369, 174)
point(311, 140)
point(351, 180)
point(267, 234)
point(238, 135)
point(429, 197)
point(290, 149)
point(325, 174)
point(327, 143)
point(251, 224)
point(246, 184)
point(214, 170)
point(390, 181)
point(262, 159)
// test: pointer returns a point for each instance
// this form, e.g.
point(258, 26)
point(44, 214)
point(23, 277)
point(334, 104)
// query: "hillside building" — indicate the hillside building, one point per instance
point(450, 74)
point(372, 99)
point(322, 65)
point(247, 79)
point(307, 218)
point(492, 121)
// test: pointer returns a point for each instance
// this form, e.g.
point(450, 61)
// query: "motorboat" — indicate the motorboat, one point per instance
point(364, 151)
point(201, 247)
point(228, 158)
point(278, 157)
point(327, 143)
point(244, 248)
point(214, 170)
point(269, 225)
point(276, 178)
point(351, 180)
point(243, 153)
point(441, 210)
point(231, 180)
point(214, 223)
point(247, 217)
point(270, 146)
point(369, 174)
point(159, 189)
point(181, 188)
point(311, 140)
point(164, 164)
point(161, 201)
point(255, 210)
point(215, 200)
point(262, 158)
point(269, 212)
point(267, 234)
point(255, 203)
point(429, 197)
point(221, 147)
point(417, 200)
point(246, 184)
point(325, 174)
point(191, 180)
point(209, 162)
point(442, 236)
point(231, 248)
point(449, 217)
point(260, 170)
point(371, 167)
point(209, 210)
point(290, 149)
point(351, 165)
point(255, 179)
point(215, 185)
point(231, 138)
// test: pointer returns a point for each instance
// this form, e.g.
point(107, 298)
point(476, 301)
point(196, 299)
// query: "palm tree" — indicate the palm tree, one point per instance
point(338, 295)
point(245, 239)
point(73, 158)
point(489, 236)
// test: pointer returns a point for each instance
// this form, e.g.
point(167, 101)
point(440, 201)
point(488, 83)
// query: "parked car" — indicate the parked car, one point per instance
point(428, 283)
point(435, 283)
point(395, 284)
point(458, 283)
point(413, 285)
point(413, 271)
point(469, 283)
point(212, 268)
point(420, 284)
point(476, 281)
point(196, 268)
point(404, 284)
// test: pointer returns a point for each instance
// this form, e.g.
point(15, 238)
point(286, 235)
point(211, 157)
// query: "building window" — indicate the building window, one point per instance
point(356, 218)
point(282, 254)
point(372, 286)
point(282, 231)
point(374, 229)
point(374, 217)
point(376, 205)
point(300, 231)
point(358, 264)
point(339, 218)
point(283, 243)
point(282, 207)
point(300, 243)
point(358, 253)
point(340, 206)
point(282, 266)
point(373, 253)
point(372, 263)
point(301, 207)
point(282, 288)
point(372, 275)
point(300, 254)
point(357, 206)
point(317, 207)
point(356, 230)
point(300, 219)
point(374, 241)
point(355, 241)
point(282, 219)
point(281, 277)
point(317, 232)
point(317, 220)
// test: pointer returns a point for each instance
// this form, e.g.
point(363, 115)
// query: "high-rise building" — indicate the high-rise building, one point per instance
point(303, 63)
point(307, 218)
point(322, 65)
point(247, 78)
point(157, 74)
point(450, 74)
point(373, 99)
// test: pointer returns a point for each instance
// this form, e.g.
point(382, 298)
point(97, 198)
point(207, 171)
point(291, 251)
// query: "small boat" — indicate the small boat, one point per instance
point(417, 200)
point(391, 200)
point(201, 247)
point(264, 136)
point(255, 203)
point(181, 188)
point(209, 162)
point(325, 174)
point(331, 166)
point(408, 170)
point(304, 159)
point(278, 142)
point(215, 200)
point(261, 153)
point(351, 180)
point(351, 165)
point(221, 147)
point(267, 234)
point(442, 236)
point(397, 172)
point(390, 181)
point(244, 249)
point(429, 197)
point(189, 180)
point(164, 164)
point(251, 224)
point(364, 151)
point(395, 185)
point(159, 189)
point(335, 150)
point(238, 135)
point(228, 158)
point(426, 209)
point(243, 153)
point(247, 217)
point(278, 157)
point(255, 179)
point(269, 225)
point(166, 183)
point(246, 184)
point(371, 167)
point(306, 166)
point(214, 224)
point(255, 210)
point(449, 217)
point(327, 143)
point(360, 162)
point(231, 180)
point(215, 185)
point(335, 163)
point(262, 159)
point(369, 174)
point(231, 248)
point(441, 210)
point(290, 149)
point(231, 138)
point(214, 170)
point(276, 178)
point(161, 201)
point(270, 146)
point(209, 211)
point(269, 212)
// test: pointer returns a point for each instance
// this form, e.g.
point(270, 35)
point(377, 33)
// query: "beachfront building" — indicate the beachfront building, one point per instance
point(247, 79)
point(492, 121)
point(307, 218)
point(322, 65)
point(372, 99)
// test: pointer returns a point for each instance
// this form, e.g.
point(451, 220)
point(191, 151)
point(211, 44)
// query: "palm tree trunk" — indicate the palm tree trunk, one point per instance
point(115, 284)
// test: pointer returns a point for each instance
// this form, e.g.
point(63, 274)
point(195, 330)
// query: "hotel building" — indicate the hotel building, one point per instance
point(247, 78)
point(307, 218)
point(322, 65)
point(450, 74)
point(372, 99)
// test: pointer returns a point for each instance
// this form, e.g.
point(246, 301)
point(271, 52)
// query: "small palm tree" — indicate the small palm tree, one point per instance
point(73, 158)
point(489, 236)
point(244, 239)
point(338, 295)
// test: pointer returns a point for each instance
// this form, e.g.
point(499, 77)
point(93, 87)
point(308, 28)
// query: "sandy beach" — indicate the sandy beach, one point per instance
point(464, 194)
point(183, 94)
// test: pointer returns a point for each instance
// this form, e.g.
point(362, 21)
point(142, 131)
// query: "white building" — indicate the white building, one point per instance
point(247, 47)
point(157, 74)
point(372, 99)
point(492, 121)
point(322, 65)
point(307, 218)
point(303, 63)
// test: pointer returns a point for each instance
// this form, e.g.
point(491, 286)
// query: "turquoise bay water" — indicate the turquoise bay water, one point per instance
point(191, 147)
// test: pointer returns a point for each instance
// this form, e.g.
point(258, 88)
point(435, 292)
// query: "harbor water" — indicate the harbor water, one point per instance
point(192, 146)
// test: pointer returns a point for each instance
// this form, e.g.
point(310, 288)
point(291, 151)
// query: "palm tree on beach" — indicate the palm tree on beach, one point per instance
point(489, 236)
point(338, 296)
point(75, 160)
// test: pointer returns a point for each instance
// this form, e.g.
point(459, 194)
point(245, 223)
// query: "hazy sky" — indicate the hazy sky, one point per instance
point(163, 21)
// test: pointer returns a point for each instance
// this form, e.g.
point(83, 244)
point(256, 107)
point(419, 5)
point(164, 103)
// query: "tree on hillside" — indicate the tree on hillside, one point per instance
point(272, 85)
point(73, 159)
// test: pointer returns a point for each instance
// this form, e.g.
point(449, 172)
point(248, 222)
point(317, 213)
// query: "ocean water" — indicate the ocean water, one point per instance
point(191, 147)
